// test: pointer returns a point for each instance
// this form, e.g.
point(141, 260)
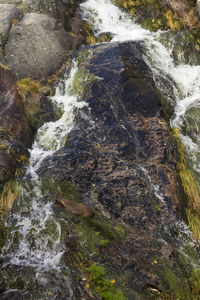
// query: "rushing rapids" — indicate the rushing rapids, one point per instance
point(37, 246)
point(109, 18)
point(40, 248)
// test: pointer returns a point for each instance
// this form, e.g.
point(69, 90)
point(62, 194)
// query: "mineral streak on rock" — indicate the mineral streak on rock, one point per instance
point(76, 207)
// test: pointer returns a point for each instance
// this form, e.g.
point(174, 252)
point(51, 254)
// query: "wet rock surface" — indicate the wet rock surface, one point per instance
point(15, 133)
point(187, 40)
point(122, 159)
point(116, 176)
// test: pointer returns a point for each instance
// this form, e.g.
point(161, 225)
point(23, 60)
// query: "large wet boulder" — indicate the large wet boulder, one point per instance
point(121, 160)
point(37, 46)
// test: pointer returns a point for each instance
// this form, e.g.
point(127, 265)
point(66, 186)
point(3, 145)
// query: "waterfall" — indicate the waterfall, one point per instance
point(39, 247)
point(108, 18)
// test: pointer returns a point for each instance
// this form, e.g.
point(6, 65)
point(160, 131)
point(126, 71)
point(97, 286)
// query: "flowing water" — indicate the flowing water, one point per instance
point(33, 215)
point(186, 91)
point(185, 78)
point(32, 223)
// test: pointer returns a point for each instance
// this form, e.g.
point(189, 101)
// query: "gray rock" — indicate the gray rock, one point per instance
point(39, 6)
point(8, 12)
point(34, 19)
point(62, 10)
point(37, 46)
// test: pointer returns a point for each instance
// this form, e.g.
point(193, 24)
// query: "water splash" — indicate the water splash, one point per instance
point(42, 249)
point(185, 79)
point(39, 234)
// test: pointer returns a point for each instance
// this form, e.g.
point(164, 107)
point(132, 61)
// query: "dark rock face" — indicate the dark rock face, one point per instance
point(15, 134)
point(122, 158)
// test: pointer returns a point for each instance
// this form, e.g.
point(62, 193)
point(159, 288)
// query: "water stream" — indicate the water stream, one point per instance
point(37, 246)
point(186, 90)
point(35, 235)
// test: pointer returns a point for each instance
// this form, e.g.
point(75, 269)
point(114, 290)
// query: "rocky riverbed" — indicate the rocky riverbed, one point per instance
point(121, 200)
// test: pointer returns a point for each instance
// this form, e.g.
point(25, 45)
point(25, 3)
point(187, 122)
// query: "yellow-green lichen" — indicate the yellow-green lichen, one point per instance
point(195, 283)
point(172, 20)
point(66, 189)
point(153, 24)
point(4, 67)
point(190, 187)
point(176, 283)
point(8, 196)
point(27, 86)
point(151, 13)
point(80, 85)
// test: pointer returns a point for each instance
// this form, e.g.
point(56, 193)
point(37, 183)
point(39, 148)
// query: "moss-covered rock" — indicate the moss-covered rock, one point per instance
point(158, 15)
point(80, 85)
point(184, 46)
point(15, 132)
point(90, 37)
point(8, 196)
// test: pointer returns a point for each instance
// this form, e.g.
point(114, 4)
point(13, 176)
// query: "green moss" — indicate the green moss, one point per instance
point(195, 283)
point(157, 207)
point(152, 13)
point(172, 20)
point(194, 223)
point(67, 139)
point(14, 21)
point(175, 282)
point(103, 287)
point(66, 189)
point(27, 86)
point(103, 243)
point(82, 79)
point(33, 112)
point(190, 187)
point(8, 195)
point(95, 233)
point(153, 24)
point(120, 229)
point(82, 54)
point(2, 234)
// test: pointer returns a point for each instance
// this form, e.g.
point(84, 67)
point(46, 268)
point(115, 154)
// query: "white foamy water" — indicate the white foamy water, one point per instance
point(38, 232)
point(51, 136)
